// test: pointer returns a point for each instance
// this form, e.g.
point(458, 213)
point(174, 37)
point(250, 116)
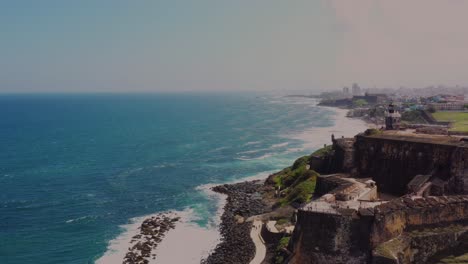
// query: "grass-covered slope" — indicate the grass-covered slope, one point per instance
point(413, 117)
point(459, 119)
point(297, 183)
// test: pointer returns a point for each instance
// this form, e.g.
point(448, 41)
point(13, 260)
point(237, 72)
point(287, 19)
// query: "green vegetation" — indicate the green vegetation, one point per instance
point(462, 259)
point(282, 221)
point(300, 193)
point(323, 151)
point(360, 103)
point(283, 243)
point(413, 116)
point(279, 257)
point(452, 255)
point(459, 119)
point(437, 230)
point(372, 131)
point(297, 183)
point(289, 175)
point(377, 112)
point(390, 248)
point(458, 255)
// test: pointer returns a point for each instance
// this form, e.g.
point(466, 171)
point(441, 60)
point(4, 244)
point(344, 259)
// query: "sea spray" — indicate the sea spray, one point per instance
point(77, 174)
point(196, 240)
point(199, 241)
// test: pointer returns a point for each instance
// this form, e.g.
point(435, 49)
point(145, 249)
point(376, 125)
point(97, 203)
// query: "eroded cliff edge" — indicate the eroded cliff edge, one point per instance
point(417, 210)
point(379, 197)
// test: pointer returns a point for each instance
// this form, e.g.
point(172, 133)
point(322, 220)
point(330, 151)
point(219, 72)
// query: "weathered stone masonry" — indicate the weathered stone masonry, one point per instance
point(394, 161)
point(409, 229)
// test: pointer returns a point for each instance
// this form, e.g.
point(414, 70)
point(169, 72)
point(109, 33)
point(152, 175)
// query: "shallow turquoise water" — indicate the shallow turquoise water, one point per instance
point(73, 168)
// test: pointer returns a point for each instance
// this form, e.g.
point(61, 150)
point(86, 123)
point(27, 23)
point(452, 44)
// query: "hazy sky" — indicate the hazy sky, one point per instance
point(281, 45)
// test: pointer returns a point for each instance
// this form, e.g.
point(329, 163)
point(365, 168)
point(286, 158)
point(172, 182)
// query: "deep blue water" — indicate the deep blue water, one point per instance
point(73, 168)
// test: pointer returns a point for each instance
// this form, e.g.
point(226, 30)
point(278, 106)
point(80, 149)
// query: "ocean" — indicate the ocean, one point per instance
point(78, 171)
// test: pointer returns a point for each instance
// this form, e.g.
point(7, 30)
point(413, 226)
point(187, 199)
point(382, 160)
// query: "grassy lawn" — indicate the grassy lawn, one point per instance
point(459, 119)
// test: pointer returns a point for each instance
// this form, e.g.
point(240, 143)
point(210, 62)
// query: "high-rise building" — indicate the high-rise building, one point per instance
point(356, 89)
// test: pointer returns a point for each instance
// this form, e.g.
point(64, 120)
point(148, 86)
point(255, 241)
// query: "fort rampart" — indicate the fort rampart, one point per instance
point(409, 229)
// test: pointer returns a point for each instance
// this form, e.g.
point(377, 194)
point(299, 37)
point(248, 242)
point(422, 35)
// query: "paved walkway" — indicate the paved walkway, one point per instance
point(271, 226)
point(260, 249)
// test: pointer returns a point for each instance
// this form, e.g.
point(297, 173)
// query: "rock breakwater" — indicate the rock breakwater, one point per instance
point(244, 200)
point(152, 231)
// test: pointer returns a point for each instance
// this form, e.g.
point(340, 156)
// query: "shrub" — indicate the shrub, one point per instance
point(413, 116)
point(360, 103)
point(372, 131)
point(279, 257)
point(288, 175)
point(302, 161)
point(282, 221)
point(301, 193)
point(323, 151)
point(284, 241)
point(296, 182)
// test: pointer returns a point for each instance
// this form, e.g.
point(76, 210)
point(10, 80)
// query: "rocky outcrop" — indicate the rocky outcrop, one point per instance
point(244, 200)
point(152, 231)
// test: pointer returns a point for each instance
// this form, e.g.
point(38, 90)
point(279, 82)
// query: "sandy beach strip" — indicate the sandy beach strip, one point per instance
point(190, 243)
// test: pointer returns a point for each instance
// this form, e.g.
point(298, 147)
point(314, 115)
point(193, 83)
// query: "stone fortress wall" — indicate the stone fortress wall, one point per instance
point(409, 229)
point(393, 161)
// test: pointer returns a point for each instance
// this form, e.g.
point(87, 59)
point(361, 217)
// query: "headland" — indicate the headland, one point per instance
point(238, 202)
point(382, 196)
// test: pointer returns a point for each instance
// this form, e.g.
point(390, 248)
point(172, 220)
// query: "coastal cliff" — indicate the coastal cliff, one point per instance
point(341, 226)
point(328, 238)
point(380, 197)
point(394, 160)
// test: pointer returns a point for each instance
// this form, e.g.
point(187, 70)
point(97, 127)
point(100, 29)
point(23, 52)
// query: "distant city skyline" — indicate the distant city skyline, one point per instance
point(284, 46)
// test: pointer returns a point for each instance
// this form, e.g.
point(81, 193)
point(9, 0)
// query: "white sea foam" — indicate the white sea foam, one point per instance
point(280, 145)
point(117, 248)
point(267, 155)
point(218, 149)
point(244, 158)
point(195, 240)
point(189, 242)
point(259, 176)
point(252, 143)
point(292, 150)
point(316, 137)
point(165, 165)
point(250, 151)
point(77, 219)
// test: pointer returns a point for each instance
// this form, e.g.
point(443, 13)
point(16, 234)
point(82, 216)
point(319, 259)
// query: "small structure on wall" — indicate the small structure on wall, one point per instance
point(392, 118)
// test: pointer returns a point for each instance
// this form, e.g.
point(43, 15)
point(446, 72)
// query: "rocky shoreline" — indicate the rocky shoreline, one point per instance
point(244, 200)
point(152, 231)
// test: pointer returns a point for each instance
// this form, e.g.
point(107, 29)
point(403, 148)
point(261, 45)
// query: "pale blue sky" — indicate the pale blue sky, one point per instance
point(116, 45)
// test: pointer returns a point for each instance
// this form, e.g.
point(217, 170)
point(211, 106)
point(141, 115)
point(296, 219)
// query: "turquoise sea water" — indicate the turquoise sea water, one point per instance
point(74, 168)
